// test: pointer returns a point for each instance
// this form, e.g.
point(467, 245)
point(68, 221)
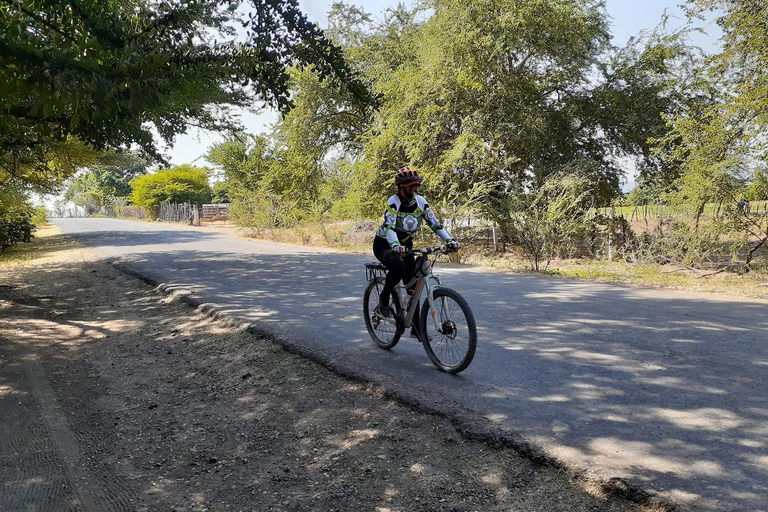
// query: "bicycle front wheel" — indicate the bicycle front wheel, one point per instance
point(385, 334)
point(450, 346)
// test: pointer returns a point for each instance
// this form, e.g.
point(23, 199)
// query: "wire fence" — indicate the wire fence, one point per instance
point(175, 212)
point(655, 211)
point(184, 213)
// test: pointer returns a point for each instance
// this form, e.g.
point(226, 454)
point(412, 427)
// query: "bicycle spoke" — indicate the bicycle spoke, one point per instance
point(451, 336)
point(381, 330)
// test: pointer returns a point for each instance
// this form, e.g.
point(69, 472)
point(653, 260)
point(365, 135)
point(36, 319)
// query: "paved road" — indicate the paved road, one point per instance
point(664, 389)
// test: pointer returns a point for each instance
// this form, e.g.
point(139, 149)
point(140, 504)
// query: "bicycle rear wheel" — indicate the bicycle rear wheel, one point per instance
point(385, 334)
point(452, 347)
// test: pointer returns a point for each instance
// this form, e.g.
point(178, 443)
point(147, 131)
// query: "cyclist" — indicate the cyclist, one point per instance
point(402, 218)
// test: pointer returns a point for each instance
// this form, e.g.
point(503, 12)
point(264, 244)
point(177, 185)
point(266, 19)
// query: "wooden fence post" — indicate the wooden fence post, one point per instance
point(610, 233)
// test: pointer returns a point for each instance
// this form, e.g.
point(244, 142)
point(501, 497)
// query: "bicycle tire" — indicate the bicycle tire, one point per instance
point(453, 350)
point(384, 334)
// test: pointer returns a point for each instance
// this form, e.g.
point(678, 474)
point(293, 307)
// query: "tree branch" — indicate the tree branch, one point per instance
point(47, 24)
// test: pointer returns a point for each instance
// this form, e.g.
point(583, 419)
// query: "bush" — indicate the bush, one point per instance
point(39, 216)
point(15, 219)
point(14, 230)
point(551, 221)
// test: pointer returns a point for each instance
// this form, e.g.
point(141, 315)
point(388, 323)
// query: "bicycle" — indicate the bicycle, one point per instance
point(450, 339)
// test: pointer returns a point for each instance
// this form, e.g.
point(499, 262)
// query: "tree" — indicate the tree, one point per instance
point(115, 180)
point(553, 217)
point(505, 93)
point(323, 122)
point(84, 192)
point(180, 184)
point(743, 61)
point(221, 193)
point(718, 133)
point(247, 162)
point(102, 185)
point(103, 74)
point(643, 85)
point(721, 130)
point(326, 124)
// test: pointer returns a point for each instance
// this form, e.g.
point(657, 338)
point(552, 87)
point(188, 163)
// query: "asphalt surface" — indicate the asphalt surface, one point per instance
point(665, 390)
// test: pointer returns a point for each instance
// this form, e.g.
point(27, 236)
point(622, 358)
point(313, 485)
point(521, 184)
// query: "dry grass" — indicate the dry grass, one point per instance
point(47, 242)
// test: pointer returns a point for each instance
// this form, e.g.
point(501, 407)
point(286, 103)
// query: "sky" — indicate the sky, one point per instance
point(627, 17)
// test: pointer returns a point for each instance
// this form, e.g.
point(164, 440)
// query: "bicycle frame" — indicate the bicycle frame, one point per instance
point(420, 283)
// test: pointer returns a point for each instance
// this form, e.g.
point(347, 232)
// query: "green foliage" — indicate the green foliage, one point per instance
point(324, 121)
point(362, 196)
point(179, 184)
point(103, 74)
point(640, 196)
point(643, 85)
point(717, 134)
point(104, 185)
point(247, 162)
point(742, 63)
point(721, 130)
point(221, 193)
point(115, 180)
point(758, 187)
point(506, 93)
point(84, 192)
point(39, 216)
point(553, 219)
point(45, 166)
point(16, 215)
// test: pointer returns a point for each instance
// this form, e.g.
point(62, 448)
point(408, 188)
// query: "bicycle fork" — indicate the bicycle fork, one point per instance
point(430, 302)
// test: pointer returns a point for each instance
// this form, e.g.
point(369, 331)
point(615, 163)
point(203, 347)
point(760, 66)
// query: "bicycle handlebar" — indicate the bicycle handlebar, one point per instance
point(445, 249)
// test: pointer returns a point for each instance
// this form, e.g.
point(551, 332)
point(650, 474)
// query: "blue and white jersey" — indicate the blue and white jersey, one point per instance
point(401, 222)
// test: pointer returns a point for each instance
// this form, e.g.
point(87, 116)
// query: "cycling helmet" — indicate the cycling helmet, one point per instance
point(406, 177)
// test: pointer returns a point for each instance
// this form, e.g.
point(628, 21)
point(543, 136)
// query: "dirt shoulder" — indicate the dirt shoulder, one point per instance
point(118, 397)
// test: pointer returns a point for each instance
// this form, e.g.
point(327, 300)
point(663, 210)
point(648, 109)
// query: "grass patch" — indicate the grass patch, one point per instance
point(46, 242)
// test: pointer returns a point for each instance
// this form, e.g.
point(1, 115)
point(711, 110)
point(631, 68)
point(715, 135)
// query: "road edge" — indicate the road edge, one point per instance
point(473, 426)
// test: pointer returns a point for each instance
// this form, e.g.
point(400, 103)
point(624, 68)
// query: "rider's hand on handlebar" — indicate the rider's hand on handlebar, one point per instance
point(400, 249)
point(454, 245)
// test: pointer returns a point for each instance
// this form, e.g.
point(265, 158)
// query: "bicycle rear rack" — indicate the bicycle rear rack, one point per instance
point(375, 270)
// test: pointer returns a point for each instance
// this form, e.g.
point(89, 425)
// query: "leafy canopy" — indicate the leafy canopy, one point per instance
point(718, 133)
point(105, 74)
point(502, 93)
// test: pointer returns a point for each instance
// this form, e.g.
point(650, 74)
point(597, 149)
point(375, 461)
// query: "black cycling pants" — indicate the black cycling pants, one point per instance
point(398, 268)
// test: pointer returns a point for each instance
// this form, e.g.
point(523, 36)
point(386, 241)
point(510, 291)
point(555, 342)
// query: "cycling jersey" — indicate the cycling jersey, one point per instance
point(402, 221)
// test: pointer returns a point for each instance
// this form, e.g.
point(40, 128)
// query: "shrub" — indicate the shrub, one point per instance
point(15, 230)
point(15, 219)
point(39, 216)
